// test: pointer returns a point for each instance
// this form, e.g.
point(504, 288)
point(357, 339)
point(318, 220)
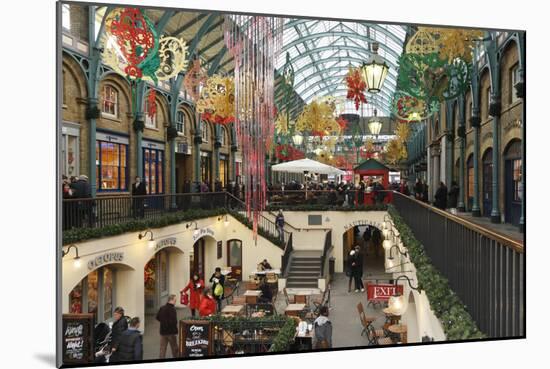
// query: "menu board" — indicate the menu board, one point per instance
point(77, 338)
point(195, 337)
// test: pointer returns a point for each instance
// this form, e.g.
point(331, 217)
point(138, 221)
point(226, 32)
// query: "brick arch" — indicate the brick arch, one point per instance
point(75, 71)
point(162, 110)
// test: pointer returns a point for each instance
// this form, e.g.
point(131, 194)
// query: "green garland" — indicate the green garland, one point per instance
point(81, 234)
point(447, 306)
point(280, 343)
point(323, 207)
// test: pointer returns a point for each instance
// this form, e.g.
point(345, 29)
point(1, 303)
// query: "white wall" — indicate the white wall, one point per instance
point(129, 287)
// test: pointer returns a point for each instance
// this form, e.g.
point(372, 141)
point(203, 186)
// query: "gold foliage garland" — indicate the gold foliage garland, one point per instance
point(218, 97)
point(318, 116)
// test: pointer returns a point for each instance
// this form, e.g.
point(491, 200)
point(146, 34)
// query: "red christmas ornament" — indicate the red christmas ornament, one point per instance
point(342, 123)
point(151, 103)
point(356, 87)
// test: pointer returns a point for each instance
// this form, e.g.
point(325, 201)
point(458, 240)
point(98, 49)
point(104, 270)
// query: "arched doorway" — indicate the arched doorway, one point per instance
point(470, 181)
point(512, 182)
point(369, 239)
point(487, 182)
point(204, 259)
point(235, 258)
point(157, 283)
point(97, 292)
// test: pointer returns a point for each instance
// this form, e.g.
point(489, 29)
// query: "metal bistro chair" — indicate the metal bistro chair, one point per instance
point(376, 337)
point(289, 299)
point(231, 292)
point(366, 322)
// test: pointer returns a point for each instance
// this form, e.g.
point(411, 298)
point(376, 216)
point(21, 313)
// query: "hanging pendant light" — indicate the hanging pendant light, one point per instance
point(374, 71)
point(297, 139)
point(375, 125)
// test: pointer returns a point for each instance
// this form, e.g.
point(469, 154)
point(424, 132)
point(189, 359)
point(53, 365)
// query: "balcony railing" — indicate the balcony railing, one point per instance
point(485, 269)
point(350, 198)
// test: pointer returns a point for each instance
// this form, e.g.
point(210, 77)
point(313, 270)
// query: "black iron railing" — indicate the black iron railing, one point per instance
point(484, 268)
point(107, 210)
point(326, 250)
point(285, 258)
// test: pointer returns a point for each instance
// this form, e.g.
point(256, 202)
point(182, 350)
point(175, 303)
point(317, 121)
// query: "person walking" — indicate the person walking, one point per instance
point(208, 303)
point(418, 189)
point(323, 330)
point(441, 197)
point(120, 325)
point(453, 197)
point(358, 272)
point(130, 344)
point(218, 282)
point(167, 316)
point(139, 190)
point(280, 223)
point(82, 190)
point(195, 286)
point(350, 268)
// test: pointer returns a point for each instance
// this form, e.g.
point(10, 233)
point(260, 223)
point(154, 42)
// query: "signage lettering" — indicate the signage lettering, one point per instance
point(383, 291)
point(195, 338)
point(170, 241)
point(203, 232)
point(110, 257)
point(77, 338)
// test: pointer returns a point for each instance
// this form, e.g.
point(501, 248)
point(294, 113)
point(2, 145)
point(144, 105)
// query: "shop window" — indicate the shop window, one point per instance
point(516, 167)
point(488, 94)
point(222, 136)
point(70, 152)
point(180, 122)
point(204, 131)
point(111, 166)
point(514, 78)
point(206, 168)
point(150, 122)
point(94, 294)
point(153, 170)
point(223, 170)
point(109, 106)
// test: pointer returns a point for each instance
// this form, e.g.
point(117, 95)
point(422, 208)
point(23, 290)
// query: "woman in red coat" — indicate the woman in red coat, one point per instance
point(208, 304)
point(196, 286)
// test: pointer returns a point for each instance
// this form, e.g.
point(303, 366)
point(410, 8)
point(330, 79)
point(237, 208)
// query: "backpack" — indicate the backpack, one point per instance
point(218, 290)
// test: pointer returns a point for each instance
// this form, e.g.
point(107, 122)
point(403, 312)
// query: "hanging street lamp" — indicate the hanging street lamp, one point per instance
point(375, 125)
point(374, 71)
point(297, 139)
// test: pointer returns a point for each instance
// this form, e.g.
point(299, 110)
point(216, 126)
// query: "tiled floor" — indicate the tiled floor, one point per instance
point(343, 313)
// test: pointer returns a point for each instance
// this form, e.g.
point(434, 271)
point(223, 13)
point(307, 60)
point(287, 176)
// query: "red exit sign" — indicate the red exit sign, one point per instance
point(383, 291)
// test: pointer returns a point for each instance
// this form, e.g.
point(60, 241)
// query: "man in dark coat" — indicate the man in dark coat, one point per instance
point(130, 343)
point(358, 269)
point(82, 190)
point(168, 319)
point(453, 197)
point(418, 189)
point(139, 190)
point(361, 194)
point(441, 196)
point(120, 325)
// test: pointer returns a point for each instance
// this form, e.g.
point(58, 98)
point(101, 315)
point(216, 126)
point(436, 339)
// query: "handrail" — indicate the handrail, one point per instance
point(326, 248)
point(515, 245)
point(124, 195)
point(285, 258)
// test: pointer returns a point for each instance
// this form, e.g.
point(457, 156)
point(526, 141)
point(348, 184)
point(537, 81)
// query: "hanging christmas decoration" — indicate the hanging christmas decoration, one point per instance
point(356, 87)
point(133, 48)
point(217, 100)
point(151, 103)
point(402, 132)
point(288, 153)
point(318, 118)
point(195, 77)
point(422, 42)
point(282, 124)
point(395, 152)
point(254, 49)
point(455, 43)
point(343, 123)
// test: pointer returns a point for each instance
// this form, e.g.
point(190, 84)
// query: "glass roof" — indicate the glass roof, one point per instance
point(322, 51)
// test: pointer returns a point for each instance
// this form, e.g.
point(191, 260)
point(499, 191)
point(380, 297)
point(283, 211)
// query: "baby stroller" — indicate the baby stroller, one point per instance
point(102, 343)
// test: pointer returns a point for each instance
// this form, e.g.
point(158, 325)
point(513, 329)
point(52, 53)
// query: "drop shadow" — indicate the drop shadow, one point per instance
point(47, 358)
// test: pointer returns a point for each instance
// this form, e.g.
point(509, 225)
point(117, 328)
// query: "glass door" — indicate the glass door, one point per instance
point(235, 258)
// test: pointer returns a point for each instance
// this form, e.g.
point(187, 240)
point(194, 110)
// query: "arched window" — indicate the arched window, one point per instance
point(109, 106)
point(150, 122)
point(223, 137)
point(180, 122)
point(514, 78)
point(204, 131)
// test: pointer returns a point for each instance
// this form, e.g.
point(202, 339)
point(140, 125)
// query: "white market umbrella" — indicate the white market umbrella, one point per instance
point(306, 165)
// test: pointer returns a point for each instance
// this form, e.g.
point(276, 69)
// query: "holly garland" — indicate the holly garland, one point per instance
point(288, 153)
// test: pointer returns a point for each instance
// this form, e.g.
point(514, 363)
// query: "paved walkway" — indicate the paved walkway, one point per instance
point(508, 230)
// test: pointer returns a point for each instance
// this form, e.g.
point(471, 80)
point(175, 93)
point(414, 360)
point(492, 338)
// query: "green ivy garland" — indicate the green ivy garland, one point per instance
point(323, 207)
point(447, 306)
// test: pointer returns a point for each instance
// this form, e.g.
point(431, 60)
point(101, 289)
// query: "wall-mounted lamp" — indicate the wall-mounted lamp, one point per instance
point(398, 250)
point(196, 229)
point(387, 244)
point(417, 288)
point(77, 261)
point(226, 221)
point(151, 241)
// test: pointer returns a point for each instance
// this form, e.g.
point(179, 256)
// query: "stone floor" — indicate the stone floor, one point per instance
point(343, 312)
point(505, 229)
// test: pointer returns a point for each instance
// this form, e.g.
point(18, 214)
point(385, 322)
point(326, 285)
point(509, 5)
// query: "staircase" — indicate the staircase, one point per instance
point(304, 270)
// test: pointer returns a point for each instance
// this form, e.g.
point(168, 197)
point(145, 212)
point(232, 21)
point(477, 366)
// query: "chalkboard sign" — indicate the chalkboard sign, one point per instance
point(195, 338)
point(77, 338)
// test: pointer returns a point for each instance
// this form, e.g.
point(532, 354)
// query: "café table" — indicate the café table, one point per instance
point(252, 296)
point(233, 310)
point(294, 309)
point(266, 271)
point(401, 330)
point(302, 295)
point(391, 318)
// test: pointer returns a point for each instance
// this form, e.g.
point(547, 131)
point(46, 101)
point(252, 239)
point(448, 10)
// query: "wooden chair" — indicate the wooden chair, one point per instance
point(238, 300)
point(289, 300)
point(366, 322)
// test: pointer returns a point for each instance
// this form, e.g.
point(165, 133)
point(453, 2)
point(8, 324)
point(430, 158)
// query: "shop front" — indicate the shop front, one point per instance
point(70, 149)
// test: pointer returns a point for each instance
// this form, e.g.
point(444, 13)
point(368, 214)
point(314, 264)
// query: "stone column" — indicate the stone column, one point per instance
point(197, 140)
point(234, 149)
point(92, 113)
point(475, 121)
point(462, 142)
point(139, 150)
point(494, 111)
point(520, 92)
point(217, 145)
